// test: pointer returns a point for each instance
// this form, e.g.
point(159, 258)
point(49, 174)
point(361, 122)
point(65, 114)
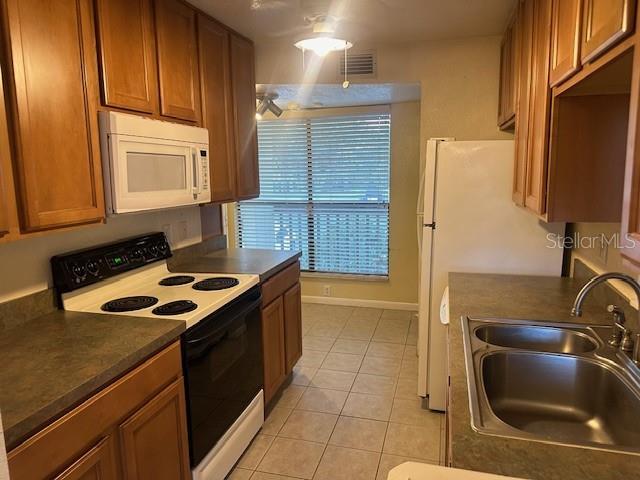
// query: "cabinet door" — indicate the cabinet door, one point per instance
point(99, 463)
point(565, 40)
point(217, 107)
point(127, 54)
point(604, 23)
point(177, 60)
point(54, 73)
point(273, 347)
point(293, 325)
point(524, 42)
point(7, 199)
point(507, 99)
point(244, 100)
point(630, 228)
point(154, 440)
point(540, 109)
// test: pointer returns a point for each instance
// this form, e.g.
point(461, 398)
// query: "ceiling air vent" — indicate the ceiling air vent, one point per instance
point(359, 64)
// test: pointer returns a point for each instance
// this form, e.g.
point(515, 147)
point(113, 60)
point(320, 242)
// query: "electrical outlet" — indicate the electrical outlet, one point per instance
point(602, 249)
point(326, 290)
point(182, 230)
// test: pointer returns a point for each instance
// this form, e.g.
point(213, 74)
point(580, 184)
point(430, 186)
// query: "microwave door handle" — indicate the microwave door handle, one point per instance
point(196, 172)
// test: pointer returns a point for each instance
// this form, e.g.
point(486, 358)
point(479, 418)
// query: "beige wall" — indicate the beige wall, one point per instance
point(607, 259)
point(459, 85)
point(24, 264)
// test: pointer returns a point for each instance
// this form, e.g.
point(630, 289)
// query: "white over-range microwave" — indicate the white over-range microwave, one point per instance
point(151, 164)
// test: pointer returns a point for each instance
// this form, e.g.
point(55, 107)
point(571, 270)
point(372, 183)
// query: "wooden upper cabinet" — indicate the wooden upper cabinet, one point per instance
point(177, 60)
point(99, 463)
point(273, 346)
point(7, 200)
point(217, 106)
point(293, 325)
point(565, 40)
point(507, 95)
point(604, 23)
point(154, 440)
point(630, 227)
point(539, 110)
point(4, 204)
point(524, 45)
point(54, 108)
point(244, 100)
point(127, 54)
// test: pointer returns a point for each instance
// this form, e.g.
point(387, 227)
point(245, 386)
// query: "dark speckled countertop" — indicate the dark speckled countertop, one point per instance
point(55, 361)
point(239, 260)
point(533, 298)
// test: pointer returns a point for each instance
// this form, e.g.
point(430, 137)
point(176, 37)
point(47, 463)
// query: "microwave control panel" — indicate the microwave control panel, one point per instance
point(204, 165)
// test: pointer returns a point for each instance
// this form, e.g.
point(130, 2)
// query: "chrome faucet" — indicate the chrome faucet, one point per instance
point(621, 336)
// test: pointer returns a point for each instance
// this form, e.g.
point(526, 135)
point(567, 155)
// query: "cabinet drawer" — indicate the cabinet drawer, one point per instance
point(57, 446)
point(280, 283)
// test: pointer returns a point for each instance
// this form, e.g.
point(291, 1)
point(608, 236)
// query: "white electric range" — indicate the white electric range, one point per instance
point(221, 347)
point(153, 291)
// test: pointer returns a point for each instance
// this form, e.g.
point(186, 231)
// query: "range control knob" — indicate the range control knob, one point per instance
point(163, 247)
point(137, 255)
point(93, 268)
point(78, 270)
point(153, 250)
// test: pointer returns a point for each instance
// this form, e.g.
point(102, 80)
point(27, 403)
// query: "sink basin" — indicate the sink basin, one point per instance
point(542, 339)
point(551, 382)
point(562, 398)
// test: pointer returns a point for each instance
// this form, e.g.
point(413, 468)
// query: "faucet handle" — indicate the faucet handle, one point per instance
point(636, 350)
point(627, 341)
point(618, 334)
point(618, 314)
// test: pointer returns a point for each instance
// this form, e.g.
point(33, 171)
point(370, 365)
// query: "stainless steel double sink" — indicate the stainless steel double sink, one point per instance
point(551, 382)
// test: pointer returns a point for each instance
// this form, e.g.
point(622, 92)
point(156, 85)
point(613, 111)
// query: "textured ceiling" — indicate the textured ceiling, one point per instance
point(375, 22)
point(291, 97)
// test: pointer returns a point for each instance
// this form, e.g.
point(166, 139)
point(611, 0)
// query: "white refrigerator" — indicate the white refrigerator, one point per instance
point(469, 223)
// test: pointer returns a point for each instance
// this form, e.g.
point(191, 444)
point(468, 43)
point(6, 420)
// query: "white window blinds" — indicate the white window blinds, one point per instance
point(324, 184)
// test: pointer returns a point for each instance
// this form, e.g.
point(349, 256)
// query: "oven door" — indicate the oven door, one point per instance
point(151, 173)
point(222, 357)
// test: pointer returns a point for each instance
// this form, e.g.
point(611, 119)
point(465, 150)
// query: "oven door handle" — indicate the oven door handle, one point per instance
point(255, 304)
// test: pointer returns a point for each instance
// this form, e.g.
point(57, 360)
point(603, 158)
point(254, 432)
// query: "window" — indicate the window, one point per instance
point(324, 184)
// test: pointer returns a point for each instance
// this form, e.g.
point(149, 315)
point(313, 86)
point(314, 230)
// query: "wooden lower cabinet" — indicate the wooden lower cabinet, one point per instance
point(281, 327)
point(162, 418)
point(273, 347)
point(293, 325)
point(99, 463)
point(135, 429)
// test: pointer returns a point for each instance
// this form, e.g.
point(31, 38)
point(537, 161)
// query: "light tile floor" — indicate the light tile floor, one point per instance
point(351, 411)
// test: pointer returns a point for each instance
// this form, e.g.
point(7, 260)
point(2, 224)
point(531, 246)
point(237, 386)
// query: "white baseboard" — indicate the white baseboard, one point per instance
point(356, 302)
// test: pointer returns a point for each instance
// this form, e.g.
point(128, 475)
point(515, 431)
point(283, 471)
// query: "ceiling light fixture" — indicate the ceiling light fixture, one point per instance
point(322, 46)
point(266, 102)
point(322, 41)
